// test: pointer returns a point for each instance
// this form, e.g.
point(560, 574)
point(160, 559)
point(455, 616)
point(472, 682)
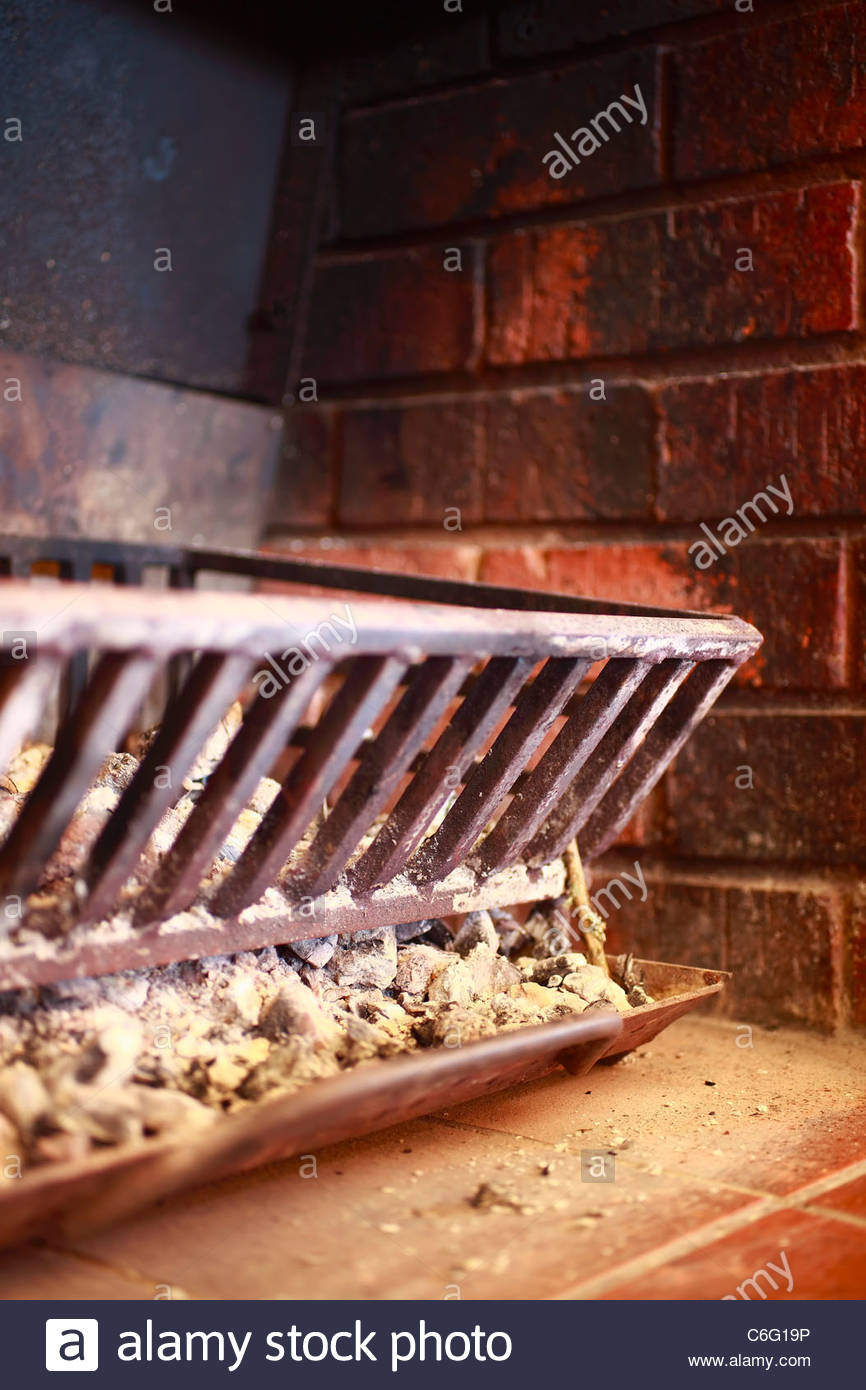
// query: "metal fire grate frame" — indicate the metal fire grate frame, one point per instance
point(549, 716)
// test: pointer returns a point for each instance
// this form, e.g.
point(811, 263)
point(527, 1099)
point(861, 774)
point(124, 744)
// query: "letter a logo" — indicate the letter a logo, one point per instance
point(71, 1344)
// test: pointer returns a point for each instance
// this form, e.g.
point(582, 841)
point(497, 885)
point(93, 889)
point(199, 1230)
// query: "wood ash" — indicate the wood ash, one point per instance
point(108, 1061)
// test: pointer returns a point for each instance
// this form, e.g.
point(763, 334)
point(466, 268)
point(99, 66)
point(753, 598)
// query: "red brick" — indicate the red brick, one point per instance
point(803, 280)
point(764, 95)
point(574, 291)
point(785, 950)
point(303, 488)
point(683, 924)
point(442, 561)
point(521, 566)
point(806, 805)
point(804, 642)
point(658, 575)
point(794, 592)
point(550, 26)
point(643, 283)
point(561, 456)
point(458, 49)
point(391, 315)
point(478, 152)
point(412, 463)
point(783, 946)
point(723, 441)
point(824, 1258)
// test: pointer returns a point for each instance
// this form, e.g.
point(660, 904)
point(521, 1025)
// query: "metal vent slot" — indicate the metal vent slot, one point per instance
point(254, 749)
point(539, 792)
point(96, 725)
point(380, 771)
point(662, 743)
point(363, 695)
point(441, 772)
point(191, 717)
point(536, 710)
point(612, 754)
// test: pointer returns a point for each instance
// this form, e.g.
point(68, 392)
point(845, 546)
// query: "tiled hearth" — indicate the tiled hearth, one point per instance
point(761, 1175)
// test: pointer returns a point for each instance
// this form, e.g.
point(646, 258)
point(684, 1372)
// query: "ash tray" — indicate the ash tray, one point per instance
point(65, 1199)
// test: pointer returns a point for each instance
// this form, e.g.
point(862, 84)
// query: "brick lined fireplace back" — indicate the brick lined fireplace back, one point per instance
point(572, 384)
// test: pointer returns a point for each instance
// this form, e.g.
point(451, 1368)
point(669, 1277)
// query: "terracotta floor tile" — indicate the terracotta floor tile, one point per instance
point(787, 1110)
point(380, 1222)
point(390, 1216)
point(824, 1258)
point(849, 1198)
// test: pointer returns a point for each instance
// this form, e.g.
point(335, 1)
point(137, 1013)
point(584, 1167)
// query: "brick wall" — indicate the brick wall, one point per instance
point(705, 267)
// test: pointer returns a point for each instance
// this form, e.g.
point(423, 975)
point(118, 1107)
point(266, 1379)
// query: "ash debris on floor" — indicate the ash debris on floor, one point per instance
point(107, 1061)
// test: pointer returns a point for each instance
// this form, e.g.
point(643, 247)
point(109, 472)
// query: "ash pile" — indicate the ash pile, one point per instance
point(168, 1050)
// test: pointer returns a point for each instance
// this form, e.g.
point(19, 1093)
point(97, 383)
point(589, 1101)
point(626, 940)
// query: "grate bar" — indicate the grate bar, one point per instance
point(383, 764)
point(189, 721)
point(536, 710)
point(23, 695)
point(253, 751)
point(613, 752)
point(541, 790)
point(662, 744)
point(98, 722)
point(362, 696)
point(441, 771)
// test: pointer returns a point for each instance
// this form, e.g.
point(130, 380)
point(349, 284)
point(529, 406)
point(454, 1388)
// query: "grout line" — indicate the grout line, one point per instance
point(550, 534)
point(499, 67)
point(681, 365)
point(735, 873)
point(840, 1177)
point(858, 1222)
point(712, 1232)
point(642, 201)
point(673, 1249)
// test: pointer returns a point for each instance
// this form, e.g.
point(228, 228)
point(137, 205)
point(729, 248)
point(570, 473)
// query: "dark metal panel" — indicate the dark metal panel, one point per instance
point(92, 452)
point(140, 132)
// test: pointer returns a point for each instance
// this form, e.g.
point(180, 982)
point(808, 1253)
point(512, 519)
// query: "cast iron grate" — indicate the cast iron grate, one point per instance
point(461, 738)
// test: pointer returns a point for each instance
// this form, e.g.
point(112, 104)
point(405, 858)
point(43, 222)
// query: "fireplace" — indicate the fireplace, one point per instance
point(526, 345)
